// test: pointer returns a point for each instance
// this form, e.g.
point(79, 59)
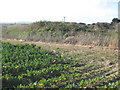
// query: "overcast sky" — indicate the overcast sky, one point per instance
point(86, 11)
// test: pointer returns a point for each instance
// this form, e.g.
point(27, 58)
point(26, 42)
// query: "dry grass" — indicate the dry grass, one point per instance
point(65, 46)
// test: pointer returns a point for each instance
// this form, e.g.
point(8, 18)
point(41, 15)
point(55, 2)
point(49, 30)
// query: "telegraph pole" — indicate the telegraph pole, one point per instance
point(64, 19)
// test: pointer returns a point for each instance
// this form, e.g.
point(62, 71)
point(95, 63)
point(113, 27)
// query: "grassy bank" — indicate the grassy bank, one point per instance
point(71, 33)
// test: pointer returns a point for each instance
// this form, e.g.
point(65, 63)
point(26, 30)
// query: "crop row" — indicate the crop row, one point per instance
point(29, 66)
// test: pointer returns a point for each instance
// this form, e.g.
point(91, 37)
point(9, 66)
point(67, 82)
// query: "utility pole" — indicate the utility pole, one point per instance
point(64, 19)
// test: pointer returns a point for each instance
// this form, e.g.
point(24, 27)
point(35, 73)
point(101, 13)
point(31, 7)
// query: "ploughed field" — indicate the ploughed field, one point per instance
point(35, 66)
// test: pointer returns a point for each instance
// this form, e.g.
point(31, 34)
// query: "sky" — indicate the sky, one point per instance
point(86, 11)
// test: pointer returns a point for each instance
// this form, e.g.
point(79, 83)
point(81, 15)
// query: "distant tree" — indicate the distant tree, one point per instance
point(115, 20)
point(93, 23)
point(82, 23)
